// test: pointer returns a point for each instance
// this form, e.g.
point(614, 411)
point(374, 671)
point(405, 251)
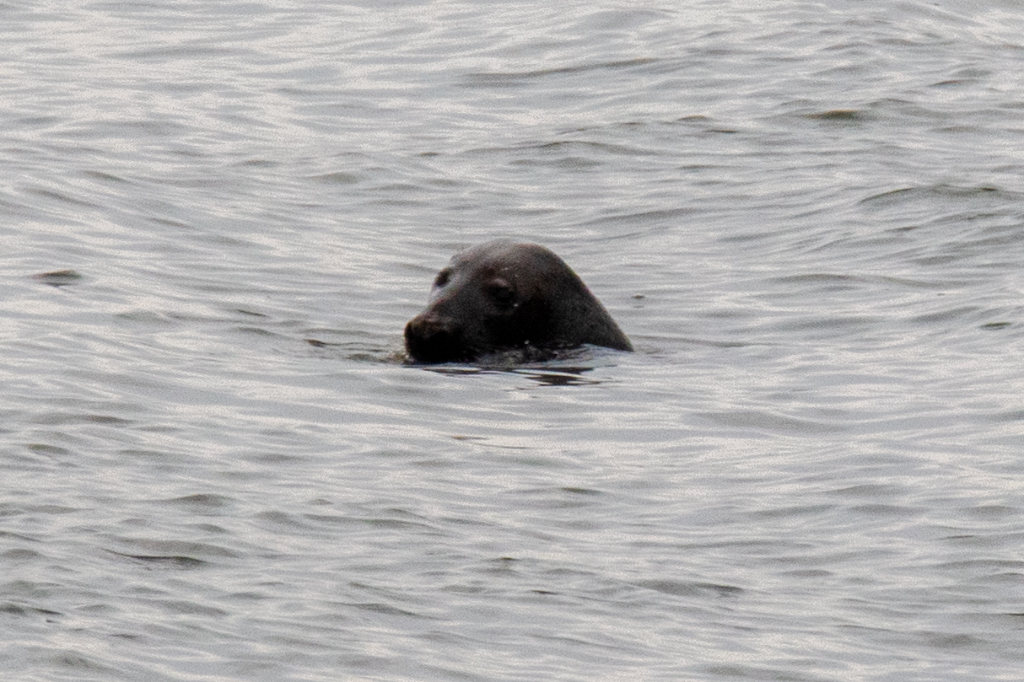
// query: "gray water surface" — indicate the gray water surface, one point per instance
point(216, 218)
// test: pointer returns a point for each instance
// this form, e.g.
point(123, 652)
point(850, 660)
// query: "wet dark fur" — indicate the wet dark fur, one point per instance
point(504, 295)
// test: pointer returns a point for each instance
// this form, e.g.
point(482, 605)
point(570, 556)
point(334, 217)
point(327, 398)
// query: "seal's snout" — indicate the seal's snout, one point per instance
point(432, 338)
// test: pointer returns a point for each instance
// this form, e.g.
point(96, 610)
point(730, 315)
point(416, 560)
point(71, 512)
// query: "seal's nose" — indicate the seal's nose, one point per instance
point(432, 338)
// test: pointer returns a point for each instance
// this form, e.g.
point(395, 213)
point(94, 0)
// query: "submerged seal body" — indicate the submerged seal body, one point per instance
point(505, 295)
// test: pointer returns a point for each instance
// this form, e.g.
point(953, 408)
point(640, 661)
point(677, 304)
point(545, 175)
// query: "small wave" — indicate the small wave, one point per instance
point(519, 78)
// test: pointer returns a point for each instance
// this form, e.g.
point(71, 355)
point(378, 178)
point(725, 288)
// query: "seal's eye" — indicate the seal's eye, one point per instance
point(443, 277)
point(502, 293)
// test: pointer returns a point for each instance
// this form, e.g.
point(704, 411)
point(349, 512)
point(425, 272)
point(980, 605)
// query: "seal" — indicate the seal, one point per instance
point(505, 295)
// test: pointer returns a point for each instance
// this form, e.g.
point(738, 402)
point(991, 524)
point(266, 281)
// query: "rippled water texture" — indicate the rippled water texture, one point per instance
point(216, 218)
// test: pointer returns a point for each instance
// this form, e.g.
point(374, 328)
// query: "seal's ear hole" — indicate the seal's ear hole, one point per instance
point(443, 277)
point(501, 293)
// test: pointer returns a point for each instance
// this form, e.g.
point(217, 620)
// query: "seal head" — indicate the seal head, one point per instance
point(505, 295)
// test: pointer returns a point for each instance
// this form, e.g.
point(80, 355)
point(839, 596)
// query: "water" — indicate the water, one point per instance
point(809, 218)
